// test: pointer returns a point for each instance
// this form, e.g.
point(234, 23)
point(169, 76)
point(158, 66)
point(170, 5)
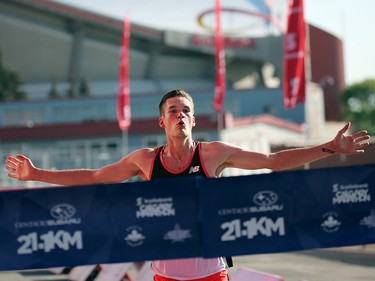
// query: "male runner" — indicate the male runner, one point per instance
point(180, 156)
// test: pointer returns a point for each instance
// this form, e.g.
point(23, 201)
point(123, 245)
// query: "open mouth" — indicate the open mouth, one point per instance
point(180, 124)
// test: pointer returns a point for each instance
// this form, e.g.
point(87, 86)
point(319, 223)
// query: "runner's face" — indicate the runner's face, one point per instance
point(178, 117)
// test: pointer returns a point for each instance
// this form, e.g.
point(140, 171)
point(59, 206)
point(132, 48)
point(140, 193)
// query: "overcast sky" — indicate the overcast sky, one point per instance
point(352, 21)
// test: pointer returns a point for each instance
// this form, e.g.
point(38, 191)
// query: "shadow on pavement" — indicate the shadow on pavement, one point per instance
point(356, 257)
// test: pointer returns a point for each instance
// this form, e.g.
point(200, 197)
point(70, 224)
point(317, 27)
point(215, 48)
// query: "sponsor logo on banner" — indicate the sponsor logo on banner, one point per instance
point(265, 198)
point(265, 201)
point(155, 207)
point(62, 211)
point(331, 222)
point(369, 221)
point(134, 236)
point(62, 214)
point(350, 193)
point(177, 234)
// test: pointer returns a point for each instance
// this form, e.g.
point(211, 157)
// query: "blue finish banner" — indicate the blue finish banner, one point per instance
point(69, 226)
point(187, 217)
point(288, 211)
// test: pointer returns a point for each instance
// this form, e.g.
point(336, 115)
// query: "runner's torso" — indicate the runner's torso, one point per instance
point(184, 269)
point(195, 166)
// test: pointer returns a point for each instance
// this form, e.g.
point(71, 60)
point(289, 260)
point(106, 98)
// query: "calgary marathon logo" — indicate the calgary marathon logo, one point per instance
point(350, 193)
point(154, 207)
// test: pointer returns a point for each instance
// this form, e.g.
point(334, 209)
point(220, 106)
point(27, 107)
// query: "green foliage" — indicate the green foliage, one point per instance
point(84, 88)
point(359, 105)
point(10, 83)
point(53, 92)
point(70, 90)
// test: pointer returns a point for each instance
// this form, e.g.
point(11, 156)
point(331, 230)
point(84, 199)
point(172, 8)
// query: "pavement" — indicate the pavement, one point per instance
point(343, 264)
point(356, 263)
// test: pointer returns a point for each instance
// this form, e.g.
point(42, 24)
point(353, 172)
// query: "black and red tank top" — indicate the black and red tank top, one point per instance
point(195, 166)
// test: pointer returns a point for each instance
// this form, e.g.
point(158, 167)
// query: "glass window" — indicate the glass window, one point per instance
point(28, 117)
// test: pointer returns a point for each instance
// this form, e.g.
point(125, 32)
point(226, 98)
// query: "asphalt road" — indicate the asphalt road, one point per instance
point(341, 264)
point(346, 264)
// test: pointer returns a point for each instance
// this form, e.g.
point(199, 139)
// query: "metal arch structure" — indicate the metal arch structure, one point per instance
point(250, 13)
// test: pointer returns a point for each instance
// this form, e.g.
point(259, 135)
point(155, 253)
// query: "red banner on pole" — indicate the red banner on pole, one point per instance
point(294, 55)
point(220, 62)
point(123, 97)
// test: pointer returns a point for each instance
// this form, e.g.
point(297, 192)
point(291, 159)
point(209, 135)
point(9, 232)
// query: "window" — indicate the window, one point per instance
point(154, 141)
point(28, 117)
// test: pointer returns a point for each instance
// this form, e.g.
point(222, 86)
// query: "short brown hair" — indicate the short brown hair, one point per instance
point(172, 94)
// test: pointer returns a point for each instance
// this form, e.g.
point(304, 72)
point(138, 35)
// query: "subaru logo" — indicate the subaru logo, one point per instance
point(265, 198)
point(63, 211)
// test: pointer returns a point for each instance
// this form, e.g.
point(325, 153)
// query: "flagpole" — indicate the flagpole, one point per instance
point(220, 83)
point(123, 97)
point(308, 54)
point(308, 81)
point(125, 142)
point(220, 125)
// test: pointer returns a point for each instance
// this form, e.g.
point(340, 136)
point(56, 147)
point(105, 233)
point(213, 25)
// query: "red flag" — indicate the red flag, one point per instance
point(123, 97)
point(220, 62)
point(294, 55)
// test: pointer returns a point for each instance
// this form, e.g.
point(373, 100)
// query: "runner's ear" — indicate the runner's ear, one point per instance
point(161, 122)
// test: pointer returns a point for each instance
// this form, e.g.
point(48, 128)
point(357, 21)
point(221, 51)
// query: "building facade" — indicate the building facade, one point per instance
point(55, 48)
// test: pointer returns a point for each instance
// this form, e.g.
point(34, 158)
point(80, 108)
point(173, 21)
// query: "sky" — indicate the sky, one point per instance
point(351, 21)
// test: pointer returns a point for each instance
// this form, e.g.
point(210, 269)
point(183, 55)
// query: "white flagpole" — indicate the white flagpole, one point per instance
point(220, 125)
point(125, 142)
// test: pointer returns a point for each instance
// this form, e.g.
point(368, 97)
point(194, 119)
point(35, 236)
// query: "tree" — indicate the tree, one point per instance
point(359, 104)
point(10, 83)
